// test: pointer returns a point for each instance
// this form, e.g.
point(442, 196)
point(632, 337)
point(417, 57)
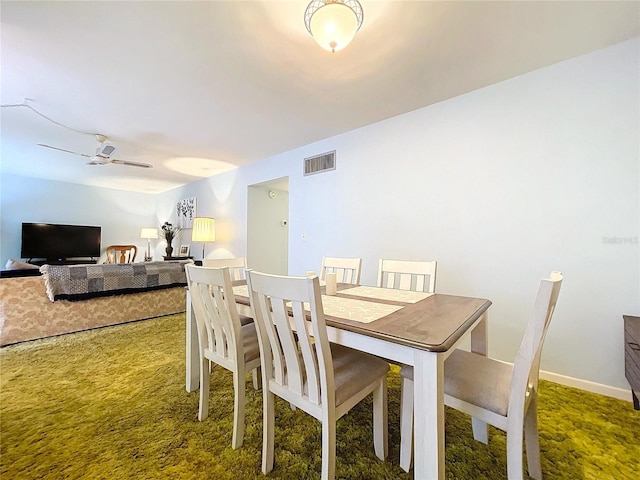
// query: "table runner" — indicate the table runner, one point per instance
point(392, 294)
point(362, 311)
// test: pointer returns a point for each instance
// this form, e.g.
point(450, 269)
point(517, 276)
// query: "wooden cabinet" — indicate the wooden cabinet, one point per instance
point(632, 356)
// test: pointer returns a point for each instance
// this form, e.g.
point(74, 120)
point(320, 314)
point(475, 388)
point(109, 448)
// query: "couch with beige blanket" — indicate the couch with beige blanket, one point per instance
point(28, 313)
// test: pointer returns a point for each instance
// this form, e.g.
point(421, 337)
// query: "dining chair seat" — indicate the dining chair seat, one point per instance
point(352, 369)
point(465, 378)
point(250, 341)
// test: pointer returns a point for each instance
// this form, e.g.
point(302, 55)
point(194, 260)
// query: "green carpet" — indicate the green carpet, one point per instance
point(111, 404)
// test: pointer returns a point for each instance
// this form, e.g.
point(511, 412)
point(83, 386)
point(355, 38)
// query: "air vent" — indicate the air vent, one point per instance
point(320, 163)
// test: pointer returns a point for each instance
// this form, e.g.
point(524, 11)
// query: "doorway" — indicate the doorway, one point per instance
point(268, 226)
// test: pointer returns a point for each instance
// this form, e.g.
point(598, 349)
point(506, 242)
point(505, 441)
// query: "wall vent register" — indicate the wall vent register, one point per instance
point(320, 163)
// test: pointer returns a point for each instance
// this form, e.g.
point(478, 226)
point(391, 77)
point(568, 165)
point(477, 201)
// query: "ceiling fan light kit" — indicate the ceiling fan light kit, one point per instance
point(105, 150)
point(333, 23)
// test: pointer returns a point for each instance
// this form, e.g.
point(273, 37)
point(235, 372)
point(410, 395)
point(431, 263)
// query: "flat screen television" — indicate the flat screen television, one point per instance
point(59, 242)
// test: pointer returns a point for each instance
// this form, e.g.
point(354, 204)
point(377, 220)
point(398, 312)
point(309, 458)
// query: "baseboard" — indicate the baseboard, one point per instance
point(615, 392)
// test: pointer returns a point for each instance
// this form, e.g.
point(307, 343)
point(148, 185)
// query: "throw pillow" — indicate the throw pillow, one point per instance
point(18, 265)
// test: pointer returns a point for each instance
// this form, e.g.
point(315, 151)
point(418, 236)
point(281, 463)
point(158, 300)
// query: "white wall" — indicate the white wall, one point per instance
point(500, 186)
point(120, 214)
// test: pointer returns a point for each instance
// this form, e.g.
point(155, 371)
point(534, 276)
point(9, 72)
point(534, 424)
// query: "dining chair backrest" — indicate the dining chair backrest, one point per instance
point(121, 253)
point(407, 275)
point(216, 314)
point(237, 266)
point(347, 270)
point(297, 366)
point(526, 367)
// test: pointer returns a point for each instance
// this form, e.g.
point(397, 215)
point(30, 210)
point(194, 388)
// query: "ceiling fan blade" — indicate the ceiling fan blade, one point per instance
point(99, 159)
point(63, 150)
point(130, 164)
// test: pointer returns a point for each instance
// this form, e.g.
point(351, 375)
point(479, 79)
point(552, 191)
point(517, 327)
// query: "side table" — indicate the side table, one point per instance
point(197, 262)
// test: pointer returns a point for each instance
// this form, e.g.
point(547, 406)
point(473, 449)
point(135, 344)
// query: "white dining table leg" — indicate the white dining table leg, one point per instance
point(479, 345)
point(428, 415)
point(192, 355)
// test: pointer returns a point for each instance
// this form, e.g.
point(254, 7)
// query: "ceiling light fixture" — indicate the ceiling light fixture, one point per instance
point(333, 23)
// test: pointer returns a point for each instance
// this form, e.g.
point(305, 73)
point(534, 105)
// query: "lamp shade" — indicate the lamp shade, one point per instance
point(204, 229)
point(149, 233)
point(333, 23)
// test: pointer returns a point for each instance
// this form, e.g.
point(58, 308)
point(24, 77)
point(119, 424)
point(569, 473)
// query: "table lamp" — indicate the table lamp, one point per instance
point(204, 230)
point(148, 233)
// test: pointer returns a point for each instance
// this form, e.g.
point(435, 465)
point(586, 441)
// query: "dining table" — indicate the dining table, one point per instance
point(405, 327)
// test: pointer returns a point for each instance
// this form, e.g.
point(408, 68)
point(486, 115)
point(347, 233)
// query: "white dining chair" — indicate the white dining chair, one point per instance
point(504, 395)
point(237, 271)
point(302, 367)
point(419, 276)
point(407, 275)
point(237, 266)
point(222, 339)
point(347, 270)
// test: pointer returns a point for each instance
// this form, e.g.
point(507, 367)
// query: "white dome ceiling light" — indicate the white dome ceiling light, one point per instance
point(333, 23)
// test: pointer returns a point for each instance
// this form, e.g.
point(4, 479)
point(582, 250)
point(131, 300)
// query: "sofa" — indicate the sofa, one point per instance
point(28, 313)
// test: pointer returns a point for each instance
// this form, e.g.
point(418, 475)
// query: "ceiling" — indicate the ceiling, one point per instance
point(197, 88)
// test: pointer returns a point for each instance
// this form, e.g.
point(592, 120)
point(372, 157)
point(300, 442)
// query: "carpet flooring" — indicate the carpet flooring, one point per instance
point(111, 404)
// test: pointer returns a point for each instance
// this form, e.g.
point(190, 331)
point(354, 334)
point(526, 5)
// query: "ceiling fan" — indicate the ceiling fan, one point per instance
point(103, 154)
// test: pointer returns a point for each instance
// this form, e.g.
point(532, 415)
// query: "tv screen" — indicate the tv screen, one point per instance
point(58, 242)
